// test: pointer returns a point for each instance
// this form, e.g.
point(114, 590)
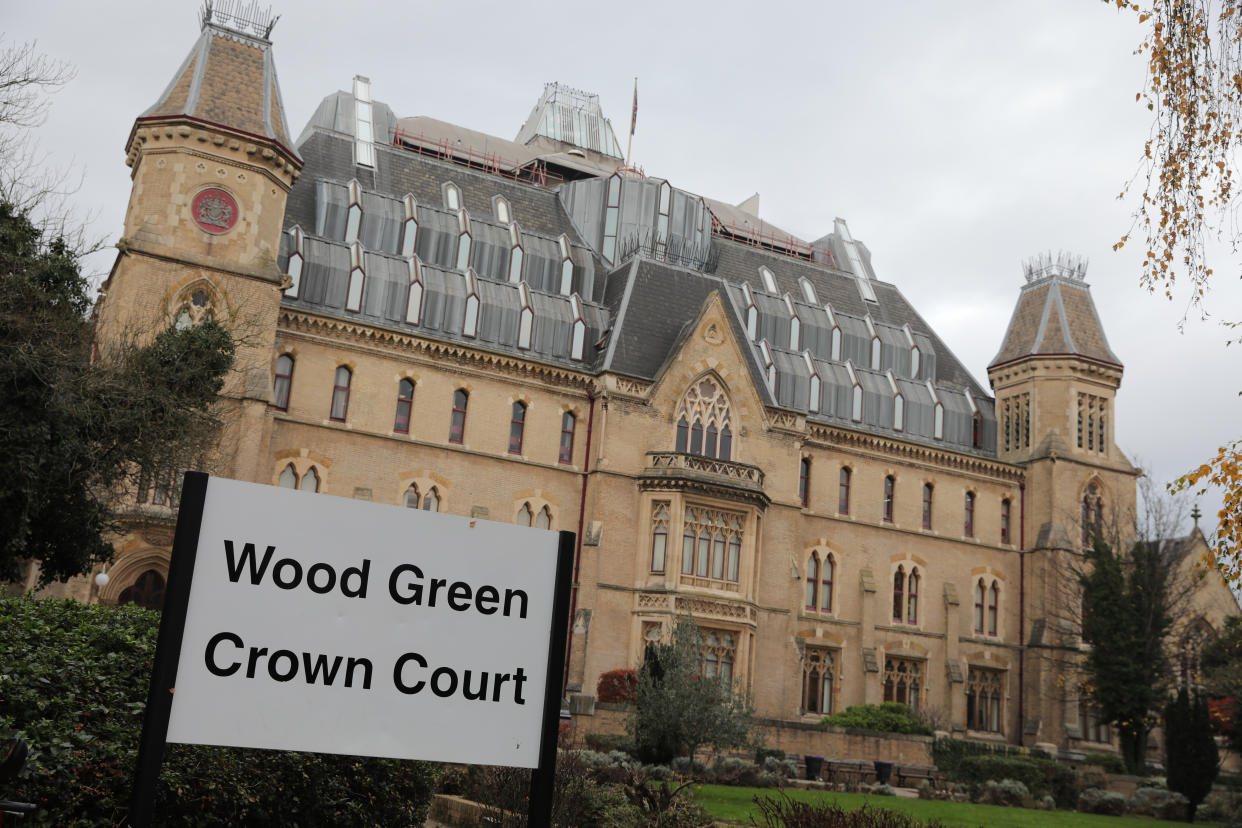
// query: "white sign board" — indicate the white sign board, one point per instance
point(318, 623)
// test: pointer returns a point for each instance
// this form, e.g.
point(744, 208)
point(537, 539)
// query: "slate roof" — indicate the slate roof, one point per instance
point(228, 79)
point(1055, 315)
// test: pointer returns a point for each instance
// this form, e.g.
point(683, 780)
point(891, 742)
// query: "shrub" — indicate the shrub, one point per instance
point(74, 686)
point(685, 766)
point(1096, 801)
point(889, 717)
point(607, 742)
point(1040, 776)
point(1110, 762)
point(1159, 803)
point(762, 754)
point(783, 812)
point(1008, 792)
point(617, 686)
point(948, 753)
point(784, 768)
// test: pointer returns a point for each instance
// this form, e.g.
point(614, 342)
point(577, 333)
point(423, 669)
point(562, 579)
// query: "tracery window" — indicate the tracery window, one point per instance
point(289, 479)
point(284, 382)
point(527, 516)
point(196, 309)
point(405, 403)
point(659, 535)
point(719, 650)
point(429, 502)
point(711, 546)
point(1189, 649)
point(903, 681)
point(984, 695)
point(818, 677)
point(819, 573)
point(987, 607)
point(704, 421)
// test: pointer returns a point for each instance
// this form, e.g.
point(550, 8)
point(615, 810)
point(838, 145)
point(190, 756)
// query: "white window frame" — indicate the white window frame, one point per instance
point(297, 259)
point(409, 227)
point(414, 299)
point(357, 279)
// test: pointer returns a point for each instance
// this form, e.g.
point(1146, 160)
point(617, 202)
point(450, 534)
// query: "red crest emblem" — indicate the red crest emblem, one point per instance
point(214, 210)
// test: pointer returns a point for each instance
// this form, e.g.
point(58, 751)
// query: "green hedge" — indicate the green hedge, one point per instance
point(73, 680)
point(947, 753)
point(889, 717)
point(1041, 776)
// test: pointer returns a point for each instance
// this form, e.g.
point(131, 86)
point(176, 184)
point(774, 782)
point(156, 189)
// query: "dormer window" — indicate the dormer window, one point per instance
point(516, 253)
point(409, 226)
point(500, 209)
point(470, 324)
point(752, 313)
point(938, 413)
point(612, 217)
point(976, 419)
point(836, 333)
point(899, 402)
point(297, 258)
point(813, 398)
point(769, 280)
point(357, 275)
point(856, 395)
point(567, 266)
point(578, 341)
point(915, 355)
point(452, 196)
point(808, 291)
point(527, 320)
point(353, 221)
point(666, 198)
point(769, 367)
point(795, 324)
point(876, 348)
point(414, 299)
point(463, 240)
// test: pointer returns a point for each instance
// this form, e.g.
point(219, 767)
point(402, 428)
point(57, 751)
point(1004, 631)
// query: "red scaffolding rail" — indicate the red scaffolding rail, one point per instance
point(534, 172)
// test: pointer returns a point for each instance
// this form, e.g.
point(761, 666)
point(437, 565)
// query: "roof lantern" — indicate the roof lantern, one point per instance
point(570, 116)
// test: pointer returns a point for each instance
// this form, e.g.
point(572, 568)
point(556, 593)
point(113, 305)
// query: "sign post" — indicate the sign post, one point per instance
point(295, 622)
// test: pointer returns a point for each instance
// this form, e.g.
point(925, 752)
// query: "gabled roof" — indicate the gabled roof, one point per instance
point(229, 80)
point(1055, 316)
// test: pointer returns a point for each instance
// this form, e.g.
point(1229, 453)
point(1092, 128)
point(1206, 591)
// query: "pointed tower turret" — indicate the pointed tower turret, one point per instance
point(212, 165)
point(1056, 379)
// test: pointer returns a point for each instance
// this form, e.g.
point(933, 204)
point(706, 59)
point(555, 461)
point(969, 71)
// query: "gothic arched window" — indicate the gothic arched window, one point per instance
point(704, 421)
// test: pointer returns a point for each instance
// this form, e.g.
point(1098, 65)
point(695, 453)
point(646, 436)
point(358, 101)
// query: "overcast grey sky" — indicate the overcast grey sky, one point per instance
point(957, 139)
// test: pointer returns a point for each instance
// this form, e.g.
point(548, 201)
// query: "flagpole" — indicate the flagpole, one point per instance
point(633, 118)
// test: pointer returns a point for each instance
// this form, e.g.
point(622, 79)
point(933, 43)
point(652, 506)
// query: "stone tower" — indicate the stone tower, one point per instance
point(212, 165)
point(1055, 380)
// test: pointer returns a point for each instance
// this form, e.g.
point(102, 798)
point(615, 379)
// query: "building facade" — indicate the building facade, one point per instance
point(739, 425)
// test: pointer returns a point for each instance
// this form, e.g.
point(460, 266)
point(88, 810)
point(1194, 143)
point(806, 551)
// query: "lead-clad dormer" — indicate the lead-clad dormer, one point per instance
point(622, 214)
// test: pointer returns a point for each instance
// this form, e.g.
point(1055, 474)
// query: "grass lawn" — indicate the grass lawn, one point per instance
point(729, 803)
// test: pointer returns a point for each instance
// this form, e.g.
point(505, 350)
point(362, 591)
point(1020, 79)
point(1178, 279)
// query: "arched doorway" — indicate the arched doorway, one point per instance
point(147, 591)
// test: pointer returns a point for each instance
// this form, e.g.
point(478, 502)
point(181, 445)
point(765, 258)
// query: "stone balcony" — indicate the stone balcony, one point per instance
point(672, 470)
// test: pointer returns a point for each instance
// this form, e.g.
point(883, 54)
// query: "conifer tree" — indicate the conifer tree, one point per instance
point(1190, 749)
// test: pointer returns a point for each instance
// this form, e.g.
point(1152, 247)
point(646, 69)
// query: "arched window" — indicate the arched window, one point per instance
point(704, 421)
point(284, 382)
point(980, 593)
point(517, 426)
point(812, 582)
point(687, 549)
point(993, 608)
point(927, 505)
point(288, 478)
point(903, 681)
point(969, 523)
point(804, 482)
point(890, 485)
point(899, 593)
point(1005, 521)
point(457, 423)
point(310, 480)
point(405, 402)
point(525, 517)
point(825, 583)
point(843, 491)
point(411, 497)
point(817, 680)
point(340, 394)
point(431, 500)
point(659, 535)
point(543, 520)
point(147, 591)
point(912, 596)
point(567, 438)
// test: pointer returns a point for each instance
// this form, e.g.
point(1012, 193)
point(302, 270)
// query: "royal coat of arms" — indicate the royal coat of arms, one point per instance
point(214, 210)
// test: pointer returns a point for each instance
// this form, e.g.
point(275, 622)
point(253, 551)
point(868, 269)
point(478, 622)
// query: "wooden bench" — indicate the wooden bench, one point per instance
point(905, 774)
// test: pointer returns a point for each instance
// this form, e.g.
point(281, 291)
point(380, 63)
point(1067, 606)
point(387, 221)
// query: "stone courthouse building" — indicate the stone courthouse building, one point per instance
point(740, 425)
